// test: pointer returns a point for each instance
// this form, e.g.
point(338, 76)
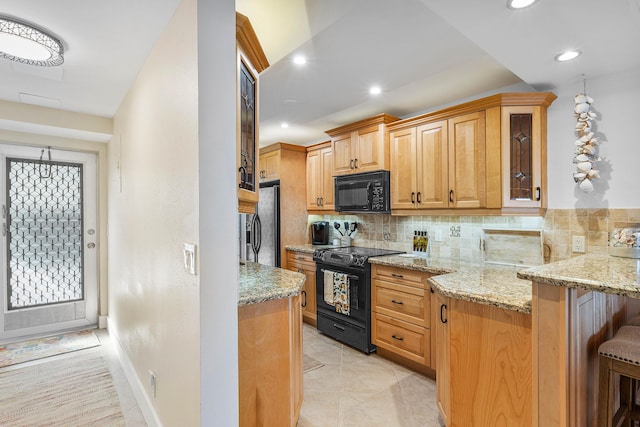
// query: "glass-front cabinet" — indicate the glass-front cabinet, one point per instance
point(251, 61)
point(524, 156)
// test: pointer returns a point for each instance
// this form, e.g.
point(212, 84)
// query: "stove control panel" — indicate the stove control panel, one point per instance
point(339, 259)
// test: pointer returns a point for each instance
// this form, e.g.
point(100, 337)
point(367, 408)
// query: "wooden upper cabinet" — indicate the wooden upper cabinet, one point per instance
point(251, 61)
point(467, 169)
point(485, 156)
point(320, 177)
point(269, 166)
point(362, 146)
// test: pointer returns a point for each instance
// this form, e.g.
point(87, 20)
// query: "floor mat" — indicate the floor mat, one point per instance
point(25, 351)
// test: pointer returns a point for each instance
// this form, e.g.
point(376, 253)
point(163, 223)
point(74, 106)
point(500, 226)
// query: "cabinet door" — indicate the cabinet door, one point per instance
point(327, 187)
point(247, 134)
point(368, 150)
point(443, 392)
point(523, 157)
point(314, 179)
point(467, 161)
point(309, 292)
point(432, 166)
point(402, 147)
point(342, 155)
point(270, 166)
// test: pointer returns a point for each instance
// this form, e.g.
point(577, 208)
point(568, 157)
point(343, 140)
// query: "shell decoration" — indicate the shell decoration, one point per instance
point(586, 153)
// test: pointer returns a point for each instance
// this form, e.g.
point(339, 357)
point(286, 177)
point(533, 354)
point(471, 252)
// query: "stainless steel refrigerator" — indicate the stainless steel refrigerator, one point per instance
point(260, 232)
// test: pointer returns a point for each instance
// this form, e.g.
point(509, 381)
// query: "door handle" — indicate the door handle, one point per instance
point(355, 163)
point(321, 201)
point(395, 337)
point(351, 164)
point(451, 196)
point(400, 276)
point(413, 197)
point(397, 302)
point(304, 301)
point(538, 194)
point(419, 197)
point(340, 328)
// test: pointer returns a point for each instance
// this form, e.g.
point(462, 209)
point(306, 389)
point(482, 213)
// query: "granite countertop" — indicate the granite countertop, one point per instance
point(600, 273)
point(490, 284)
point(260, 283)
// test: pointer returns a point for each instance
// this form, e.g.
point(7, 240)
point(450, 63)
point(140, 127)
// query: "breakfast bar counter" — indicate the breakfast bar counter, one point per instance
point(269, 345)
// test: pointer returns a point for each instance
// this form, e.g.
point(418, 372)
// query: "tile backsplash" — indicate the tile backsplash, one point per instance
point(460, 235)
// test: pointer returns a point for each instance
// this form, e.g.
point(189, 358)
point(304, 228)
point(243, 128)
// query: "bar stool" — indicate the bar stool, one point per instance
point(619, 355)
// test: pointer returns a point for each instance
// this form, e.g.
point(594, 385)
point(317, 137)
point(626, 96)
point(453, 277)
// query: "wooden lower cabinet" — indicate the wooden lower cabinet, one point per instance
point(401, 313)
point(302, 262)
point(270, 363)
point(484, 365)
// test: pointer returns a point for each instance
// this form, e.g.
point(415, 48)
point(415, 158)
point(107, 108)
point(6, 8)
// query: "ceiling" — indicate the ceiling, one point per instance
point(422, 53)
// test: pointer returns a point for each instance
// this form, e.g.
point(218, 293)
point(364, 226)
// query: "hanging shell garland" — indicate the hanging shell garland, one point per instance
point(586, 144)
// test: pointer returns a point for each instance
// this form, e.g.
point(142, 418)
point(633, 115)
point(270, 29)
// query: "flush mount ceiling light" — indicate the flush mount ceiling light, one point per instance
point(23, 43)
point(375, 90)
point(519, 4)
point(299, 60)
point(284, 125)
point(567, 55)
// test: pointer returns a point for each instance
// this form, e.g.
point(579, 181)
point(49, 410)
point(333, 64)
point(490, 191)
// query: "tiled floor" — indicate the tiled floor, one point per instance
point(353, 389)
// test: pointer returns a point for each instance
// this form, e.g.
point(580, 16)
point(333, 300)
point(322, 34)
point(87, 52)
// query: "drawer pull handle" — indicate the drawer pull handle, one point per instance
point(400, 276)
point(300, 258)
point(413, 197)
point(397, 302)
point(443, 307)
point(340, 328)
point(397, 338)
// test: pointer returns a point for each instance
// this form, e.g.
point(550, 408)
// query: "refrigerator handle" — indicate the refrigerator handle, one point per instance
point(256, 235)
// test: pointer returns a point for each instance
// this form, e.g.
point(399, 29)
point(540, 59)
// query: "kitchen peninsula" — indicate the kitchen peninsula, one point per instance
point(578, 303)
point(269, 345)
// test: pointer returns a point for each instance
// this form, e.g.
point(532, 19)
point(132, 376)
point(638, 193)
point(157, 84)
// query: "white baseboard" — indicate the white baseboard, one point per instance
point(102, 322)
point(138, 389)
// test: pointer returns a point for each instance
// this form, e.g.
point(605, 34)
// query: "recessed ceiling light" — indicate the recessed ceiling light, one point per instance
point(284, 125)
point(519, 4)
point(375, 90)
point(299, 60)
point(568, 55)
point(23, 43)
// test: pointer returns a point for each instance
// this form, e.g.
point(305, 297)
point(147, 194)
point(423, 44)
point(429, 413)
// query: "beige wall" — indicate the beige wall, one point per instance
point(153, 211)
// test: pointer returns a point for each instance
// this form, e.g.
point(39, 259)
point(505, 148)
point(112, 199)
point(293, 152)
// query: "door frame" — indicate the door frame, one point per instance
point(89, 160)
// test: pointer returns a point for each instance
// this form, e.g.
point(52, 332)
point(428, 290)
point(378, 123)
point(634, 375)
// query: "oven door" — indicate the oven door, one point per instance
point(357, 290)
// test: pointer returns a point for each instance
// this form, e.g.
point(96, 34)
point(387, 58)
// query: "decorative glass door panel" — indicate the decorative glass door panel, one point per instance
point(247, 129)
point(521, 157)
point(44, 233)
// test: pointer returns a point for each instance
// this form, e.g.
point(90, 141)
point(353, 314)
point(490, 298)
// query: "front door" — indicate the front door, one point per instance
point(48, 252)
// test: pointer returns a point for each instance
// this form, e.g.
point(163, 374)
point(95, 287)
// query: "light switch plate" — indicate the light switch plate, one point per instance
point(189, 258)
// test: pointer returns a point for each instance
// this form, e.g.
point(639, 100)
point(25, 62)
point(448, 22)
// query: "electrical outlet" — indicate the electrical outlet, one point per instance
point(152, 382)
point(578, 244)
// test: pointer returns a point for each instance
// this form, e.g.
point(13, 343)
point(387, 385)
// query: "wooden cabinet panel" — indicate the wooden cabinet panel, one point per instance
point(484, 364)
point(326, 179)
point(303, 263)
point(402, 148)
point(467, 161)
point(432, 170)
point(342, 154)
point(297, 374)
point(369, 149)
point(269, 166)
point(443, 391)
point(403, 338)
point(320, 179)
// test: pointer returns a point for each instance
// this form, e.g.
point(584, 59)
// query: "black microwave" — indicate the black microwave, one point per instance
point(366, 192)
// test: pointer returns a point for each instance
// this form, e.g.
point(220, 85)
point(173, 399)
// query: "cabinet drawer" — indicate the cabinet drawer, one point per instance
point(400, 275)
point(407, 340)
point(300, 257)
point(406, 303)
